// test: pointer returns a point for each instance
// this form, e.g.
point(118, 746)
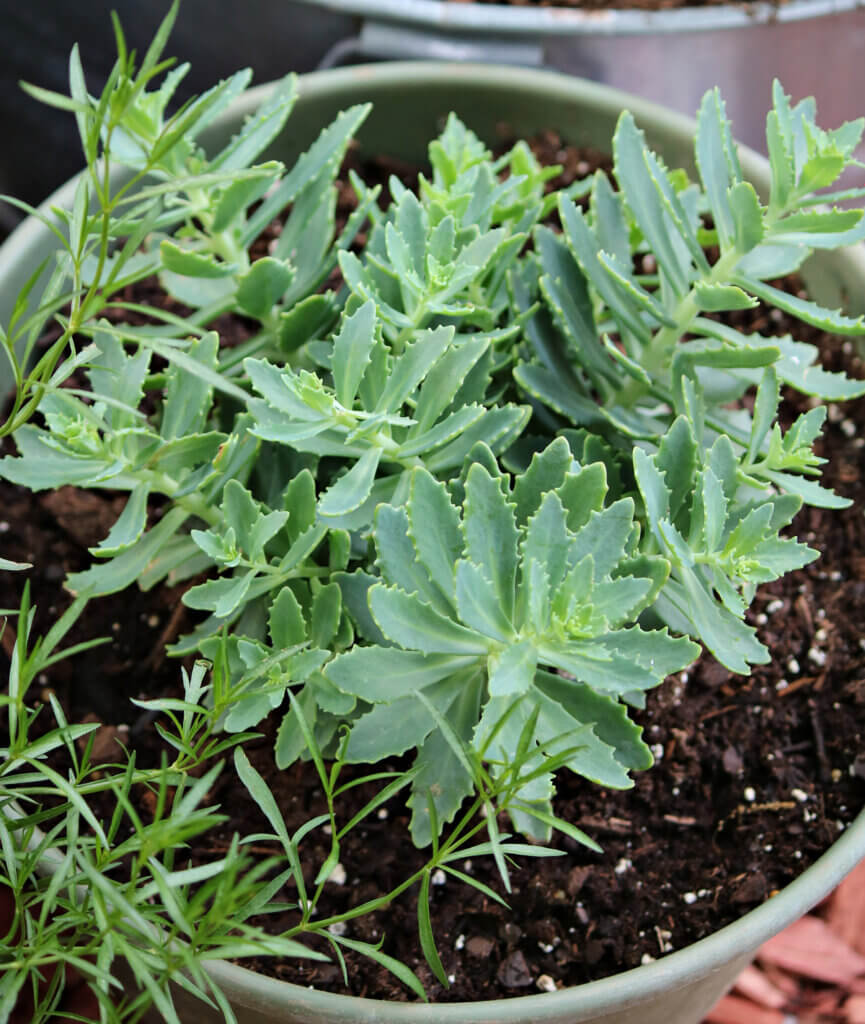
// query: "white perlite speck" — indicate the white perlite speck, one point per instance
point(657, 751)
point(623, 866)
point(793, 666)
point(647, 958)
point(545, 983)
point(817, 656)
point(774, 606)
point(337, 928)
point(690, 897)
point(750, 794)
point(460, 943)
point(799, 794)
point(338, 875)
point(438, 877)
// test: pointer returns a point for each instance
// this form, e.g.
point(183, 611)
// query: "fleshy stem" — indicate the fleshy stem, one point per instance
point(656, 354)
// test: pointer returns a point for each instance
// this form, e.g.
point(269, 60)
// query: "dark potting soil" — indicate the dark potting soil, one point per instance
point(755, 777)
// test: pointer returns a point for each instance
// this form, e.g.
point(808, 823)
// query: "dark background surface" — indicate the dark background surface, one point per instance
point(40, 147)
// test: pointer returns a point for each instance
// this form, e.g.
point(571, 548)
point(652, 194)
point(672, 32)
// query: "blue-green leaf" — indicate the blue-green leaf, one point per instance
point(351, 352)
point(410, 368)
point(263, 285)
point(129, 526)
point(286, 623)
point(490, 531)
point(435, 530)
point(545, 473)
point(748, 229)
point(353, 488)
point(803, 309)
point(386, 674)
point(125, 568)
point(415, 625)
point(546, 540)
point(765, 409)
point(632, 168)
point(478, 603)
point(187, 263)
point(512, 671)
point(444, 380)
point(324, 615)
point(391, 729)
point(717, 163)
point(443, 432)
point(717, 298)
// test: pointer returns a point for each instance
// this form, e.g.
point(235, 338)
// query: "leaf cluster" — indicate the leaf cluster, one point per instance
point(96, 885)
point(473, 500)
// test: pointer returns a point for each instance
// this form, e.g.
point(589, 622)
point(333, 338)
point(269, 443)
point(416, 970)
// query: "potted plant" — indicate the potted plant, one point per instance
point(343, 495)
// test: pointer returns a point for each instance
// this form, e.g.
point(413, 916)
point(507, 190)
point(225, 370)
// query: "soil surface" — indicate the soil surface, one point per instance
point(755, 777)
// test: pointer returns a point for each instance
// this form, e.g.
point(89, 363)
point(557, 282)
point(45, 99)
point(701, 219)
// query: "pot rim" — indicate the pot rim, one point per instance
point(495, 20)
point(248, 988)
point(616, 992)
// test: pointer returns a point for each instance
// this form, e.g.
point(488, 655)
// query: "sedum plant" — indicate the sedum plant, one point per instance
point(466, 491)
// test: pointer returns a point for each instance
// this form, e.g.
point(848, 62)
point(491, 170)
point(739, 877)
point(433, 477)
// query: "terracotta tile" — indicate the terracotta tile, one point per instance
point(753, 984)
point(781, 979)
point(826, 1002)
point(734, 1010)
point(809, 947)
point(854, 1010)
point(845, 914)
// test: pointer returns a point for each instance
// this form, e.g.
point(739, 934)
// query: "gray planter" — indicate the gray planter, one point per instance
point(410, 101)
point(814, 47)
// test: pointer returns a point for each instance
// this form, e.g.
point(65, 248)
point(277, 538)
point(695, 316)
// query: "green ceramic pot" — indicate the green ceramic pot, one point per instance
point(410, 101)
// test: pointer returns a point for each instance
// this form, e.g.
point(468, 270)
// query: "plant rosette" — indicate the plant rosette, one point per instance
point(468, 506)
